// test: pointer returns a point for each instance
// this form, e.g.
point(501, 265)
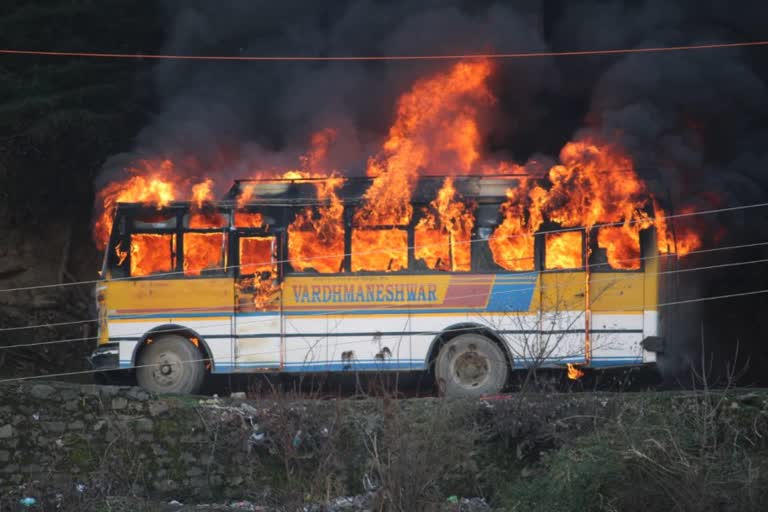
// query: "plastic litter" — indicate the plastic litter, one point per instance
point(28, 502)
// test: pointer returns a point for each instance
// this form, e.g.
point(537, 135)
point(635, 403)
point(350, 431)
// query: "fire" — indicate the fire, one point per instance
point(316, 236)
point(443, 236)
point(435, 126)
point(593, 184)
point(436, 130)
point(244, 219)
point(574, 373)
point(155, 188)
point(203, 251)
point(564, 250)
point(152, 254)
point(512, 243)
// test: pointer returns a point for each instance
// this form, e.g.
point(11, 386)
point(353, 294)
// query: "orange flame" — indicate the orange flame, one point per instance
point(152, 254)
point(436, 130)
point(574, 373)
point(443, 235)
point(155, 188)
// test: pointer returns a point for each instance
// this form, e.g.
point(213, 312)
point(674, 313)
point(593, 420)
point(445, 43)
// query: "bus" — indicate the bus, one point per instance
point(188, 290)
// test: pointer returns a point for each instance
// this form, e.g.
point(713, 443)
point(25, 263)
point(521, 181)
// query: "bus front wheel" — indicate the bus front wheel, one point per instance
point(170, 364)
point(471, 365)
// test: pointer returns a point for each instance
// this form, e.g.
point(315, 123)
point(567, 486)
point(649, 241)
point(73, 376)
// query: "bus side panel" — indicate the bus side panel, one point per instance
point(617, 321)
point(205, 306)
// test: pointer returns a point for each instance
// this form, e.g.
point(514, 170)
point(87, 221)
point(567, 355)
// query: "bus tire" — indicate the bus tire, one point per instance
point(171, 364)
point(471, 366)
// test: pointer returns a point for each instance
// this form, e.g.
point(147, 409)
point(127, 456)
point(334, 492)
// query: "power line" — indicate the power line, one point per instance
point(341, 255)
point(545, 271)
point(352, 58)
point(133, 367)
point(619, 277)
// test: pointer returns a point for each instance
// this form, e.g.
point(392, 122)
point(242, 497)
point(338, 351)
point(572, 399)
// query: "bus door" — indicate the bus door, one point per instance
point(258, 319)
point(564, 299)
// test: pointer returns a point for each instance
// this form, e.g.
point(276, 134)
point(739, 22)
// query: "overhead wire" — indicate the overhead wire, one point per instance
point(352, 58)
point(381, 251)
point(618, 277)
point(320, 368)
point(587, 266)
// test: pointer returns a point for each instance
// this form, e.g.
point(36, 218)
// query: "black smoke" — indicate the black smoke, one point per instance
point(694, 122)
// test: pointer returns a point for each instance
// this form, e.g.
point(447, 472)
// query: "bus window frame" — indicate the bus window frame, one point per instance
point(234, 247)
point(605, 268)
point(224, 270)
point(126, 218)
point(542, 236)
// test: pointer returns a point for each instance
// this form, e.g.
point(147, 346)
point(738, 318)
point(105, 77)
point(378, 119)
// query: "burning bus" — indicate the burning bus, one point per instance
point(288, 275)
point(490, 268)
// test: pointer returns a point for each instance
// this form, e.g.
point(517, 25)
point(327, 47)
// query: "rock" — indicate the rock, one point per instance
point(157, 408)
point(4, 456)
point(42, 391)
point(194, 471)
point(6, 431)
point(119, 403)
point(144, 425)
point(76, 425)
point(54, 426)
point(238, 395)
point(138, 394)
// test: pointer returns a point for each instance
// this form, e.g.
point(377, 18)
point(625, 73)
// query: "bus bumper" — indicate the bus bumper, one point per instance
point(106, 357)
point(653, 344)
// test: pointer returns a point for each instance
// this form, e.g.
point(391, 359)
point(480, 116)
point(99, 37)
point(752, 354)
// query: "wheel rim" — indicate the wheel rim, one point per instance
point(470, 369)
point(167, 370)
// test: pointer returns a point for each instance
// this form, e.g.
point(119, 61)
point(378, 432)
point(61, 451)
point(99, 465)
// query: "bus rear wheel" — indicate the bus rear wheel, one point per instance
point(170, 365)
point(471, 365)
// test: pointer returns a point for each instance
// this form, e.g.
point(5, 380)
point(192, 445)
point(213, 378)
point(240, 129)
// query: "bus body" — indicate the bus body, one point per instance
point(475, 325)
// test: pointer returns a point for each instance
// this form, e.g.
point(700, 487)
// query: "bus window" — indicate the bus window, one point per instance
point(205, 219)
point(154, 219)
point(152, 253)
point(618, 248)
point(563, 250)
point(310, 251)
point(204, 251)
point(257, 255)
point(246, 219)
point(379, 249)
point(440, 250)
point(513, 251)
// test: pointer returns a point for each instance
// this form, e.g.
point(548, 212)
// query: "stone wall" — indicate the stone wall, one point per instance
point(66, 443)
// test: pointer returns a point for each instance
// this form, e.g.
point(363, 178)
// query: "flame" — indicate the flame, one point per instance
point(512, 243)
point(436, 130)
point(574, 373)
point(257, 260)
point(155, 188)
point(245, 219)
point(152, 253)
point(202, 192)
point(443, 236)
point(203, 251)
point(564, 250)
point(316, 236)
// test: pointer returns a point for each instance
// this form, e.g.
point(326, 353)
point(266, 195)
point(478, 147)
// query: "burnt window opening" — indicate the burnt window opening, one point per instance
point(379, 248)
point(503, 246)
point(564, 250)
point(257, 255)
point(154, 219)
point(150, 253)
point(615, 248)
point(206, 218)
point(204, 253)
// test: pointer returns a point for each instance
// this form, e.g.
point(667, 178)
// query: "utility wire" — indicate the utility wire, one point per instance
point(381, 251)
point(545, 271)
point(133, 367)
point(613, 279)
point(312, 58)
